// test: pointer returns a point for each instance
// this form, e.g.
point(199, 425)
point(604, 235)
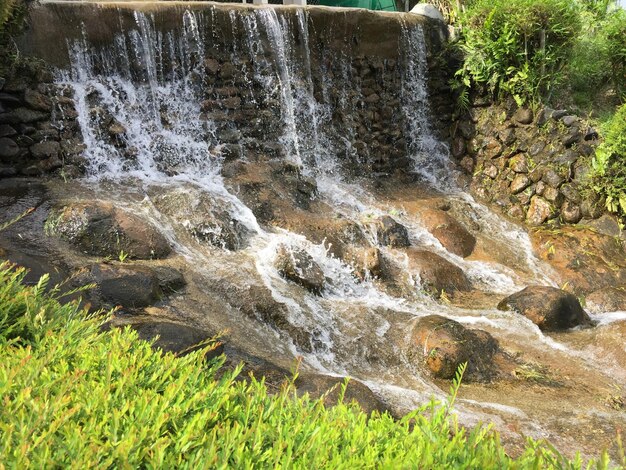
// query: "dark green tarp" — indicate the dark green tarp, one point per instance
point(387, 5)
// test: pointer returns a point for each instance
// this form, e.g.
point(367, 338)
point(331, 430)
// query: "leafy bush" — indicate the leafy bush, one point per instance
point(7, 9)
point(73, 395)
point(517, 47)
point(599, 56)
point(609, 164)
point(615, 34)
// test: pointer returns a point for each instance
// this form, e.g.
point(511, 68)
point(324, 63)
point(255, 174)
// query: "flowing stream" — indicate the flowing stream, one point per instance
point(159, 146)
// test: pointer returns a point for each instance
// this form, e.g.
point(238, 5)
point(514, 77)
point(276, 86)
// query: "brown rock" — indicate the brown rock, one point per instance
point(175, 338)
point(519, 183)
point(436, 274)
point(519, 163)
point(38, 101)
point(46, 149)
point(491, 171)
point(366, 261)
point(317, 385)
point(493, 148)
point(126, 286)
point(549, 308)
point(101, 229)
point(553, 195)
point(571, 213)
point(444, 344)
point(8, 148)
point(458, 147)
point(467, 163)
point(592, 207)
point(523, 116)
point(552, 178)
point(212, 66)
point(298, 266)
point(451, 234)
point(539, 211)
point(608, 299)
point(391, 233)
point(586, 259)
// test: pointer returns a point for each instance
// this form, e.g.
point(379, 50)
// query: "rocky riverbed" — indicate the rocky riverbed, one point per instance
point(215, 173)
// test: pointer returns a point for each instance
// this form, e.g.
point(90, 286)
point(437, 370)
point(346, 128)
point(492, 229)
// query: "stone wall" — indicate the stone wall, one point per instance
point(40, 133)
point(38, 129)
point(532, 165)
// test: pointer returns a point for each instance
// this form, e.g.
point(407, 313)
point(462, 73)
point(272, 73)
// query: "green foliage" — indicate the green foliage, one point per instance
point(599, 56)
point(11, 16)
point(609, 164)
point(75, 396)
point(517, 47)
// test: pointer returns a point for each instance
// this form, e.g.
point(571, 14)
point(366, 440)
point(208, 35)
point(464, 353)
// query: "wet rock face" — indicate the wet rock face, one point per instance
point(100, 229)
point(391, 233)
point(203, 218)
point(176, 338)
point(127, 286)
point(443, 345)
point(587, 259)
point(316, 385)
point(609, 299)
point(436, 274)
point(451, 234)
point(551, 309)
point(365, 261)
point(298, 266)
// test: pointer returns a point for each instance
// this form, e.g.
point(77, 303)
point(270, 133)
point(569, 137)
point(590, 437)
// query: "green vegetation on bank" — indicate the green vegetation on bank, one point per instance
point(609, 164)
point(73, 395)
point(517, 48)
point(543, 51)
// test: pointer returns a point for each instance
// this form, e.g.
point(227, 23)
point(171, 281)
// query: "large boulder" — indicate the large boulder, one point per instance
point(391, 233)
point(442, 345)
point(551, 309)
point(436, 274)
point(316, 385)
point(451, 234)
point(100, 229)
point(298, 266)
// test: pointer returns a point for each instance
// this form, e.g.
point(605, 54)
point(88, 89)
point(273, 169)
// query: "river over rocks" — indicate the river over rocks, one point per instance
point(280, 176)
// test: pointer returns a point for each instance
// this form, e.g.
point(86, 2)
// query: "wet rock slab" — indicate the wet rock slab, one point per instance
point(451, 234)
point(99, 228)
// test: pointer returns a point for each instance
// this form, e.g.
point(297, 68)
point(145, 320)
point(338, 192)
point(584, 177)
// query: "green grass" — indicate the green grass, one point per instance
point(75, 396)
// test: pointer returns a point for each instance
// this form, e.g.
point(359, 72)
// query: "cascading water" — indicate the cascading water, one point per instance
point(159, 125)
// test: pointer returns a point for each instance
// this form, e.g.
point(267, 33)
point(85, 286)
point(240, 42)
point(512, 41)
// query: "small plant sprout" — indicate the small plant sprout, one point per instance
point(122, 256)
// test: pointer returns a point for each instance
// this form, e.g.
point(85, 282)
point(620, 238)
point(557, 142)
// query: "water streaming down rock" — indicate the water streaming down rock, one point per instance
point(241, 132)
point(140, 107)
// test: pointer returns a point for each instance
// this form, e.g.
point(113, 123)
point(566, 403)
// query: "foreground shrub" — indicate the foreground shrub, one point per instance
point(74, 396)
point(517, 47)
point(609, 164)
